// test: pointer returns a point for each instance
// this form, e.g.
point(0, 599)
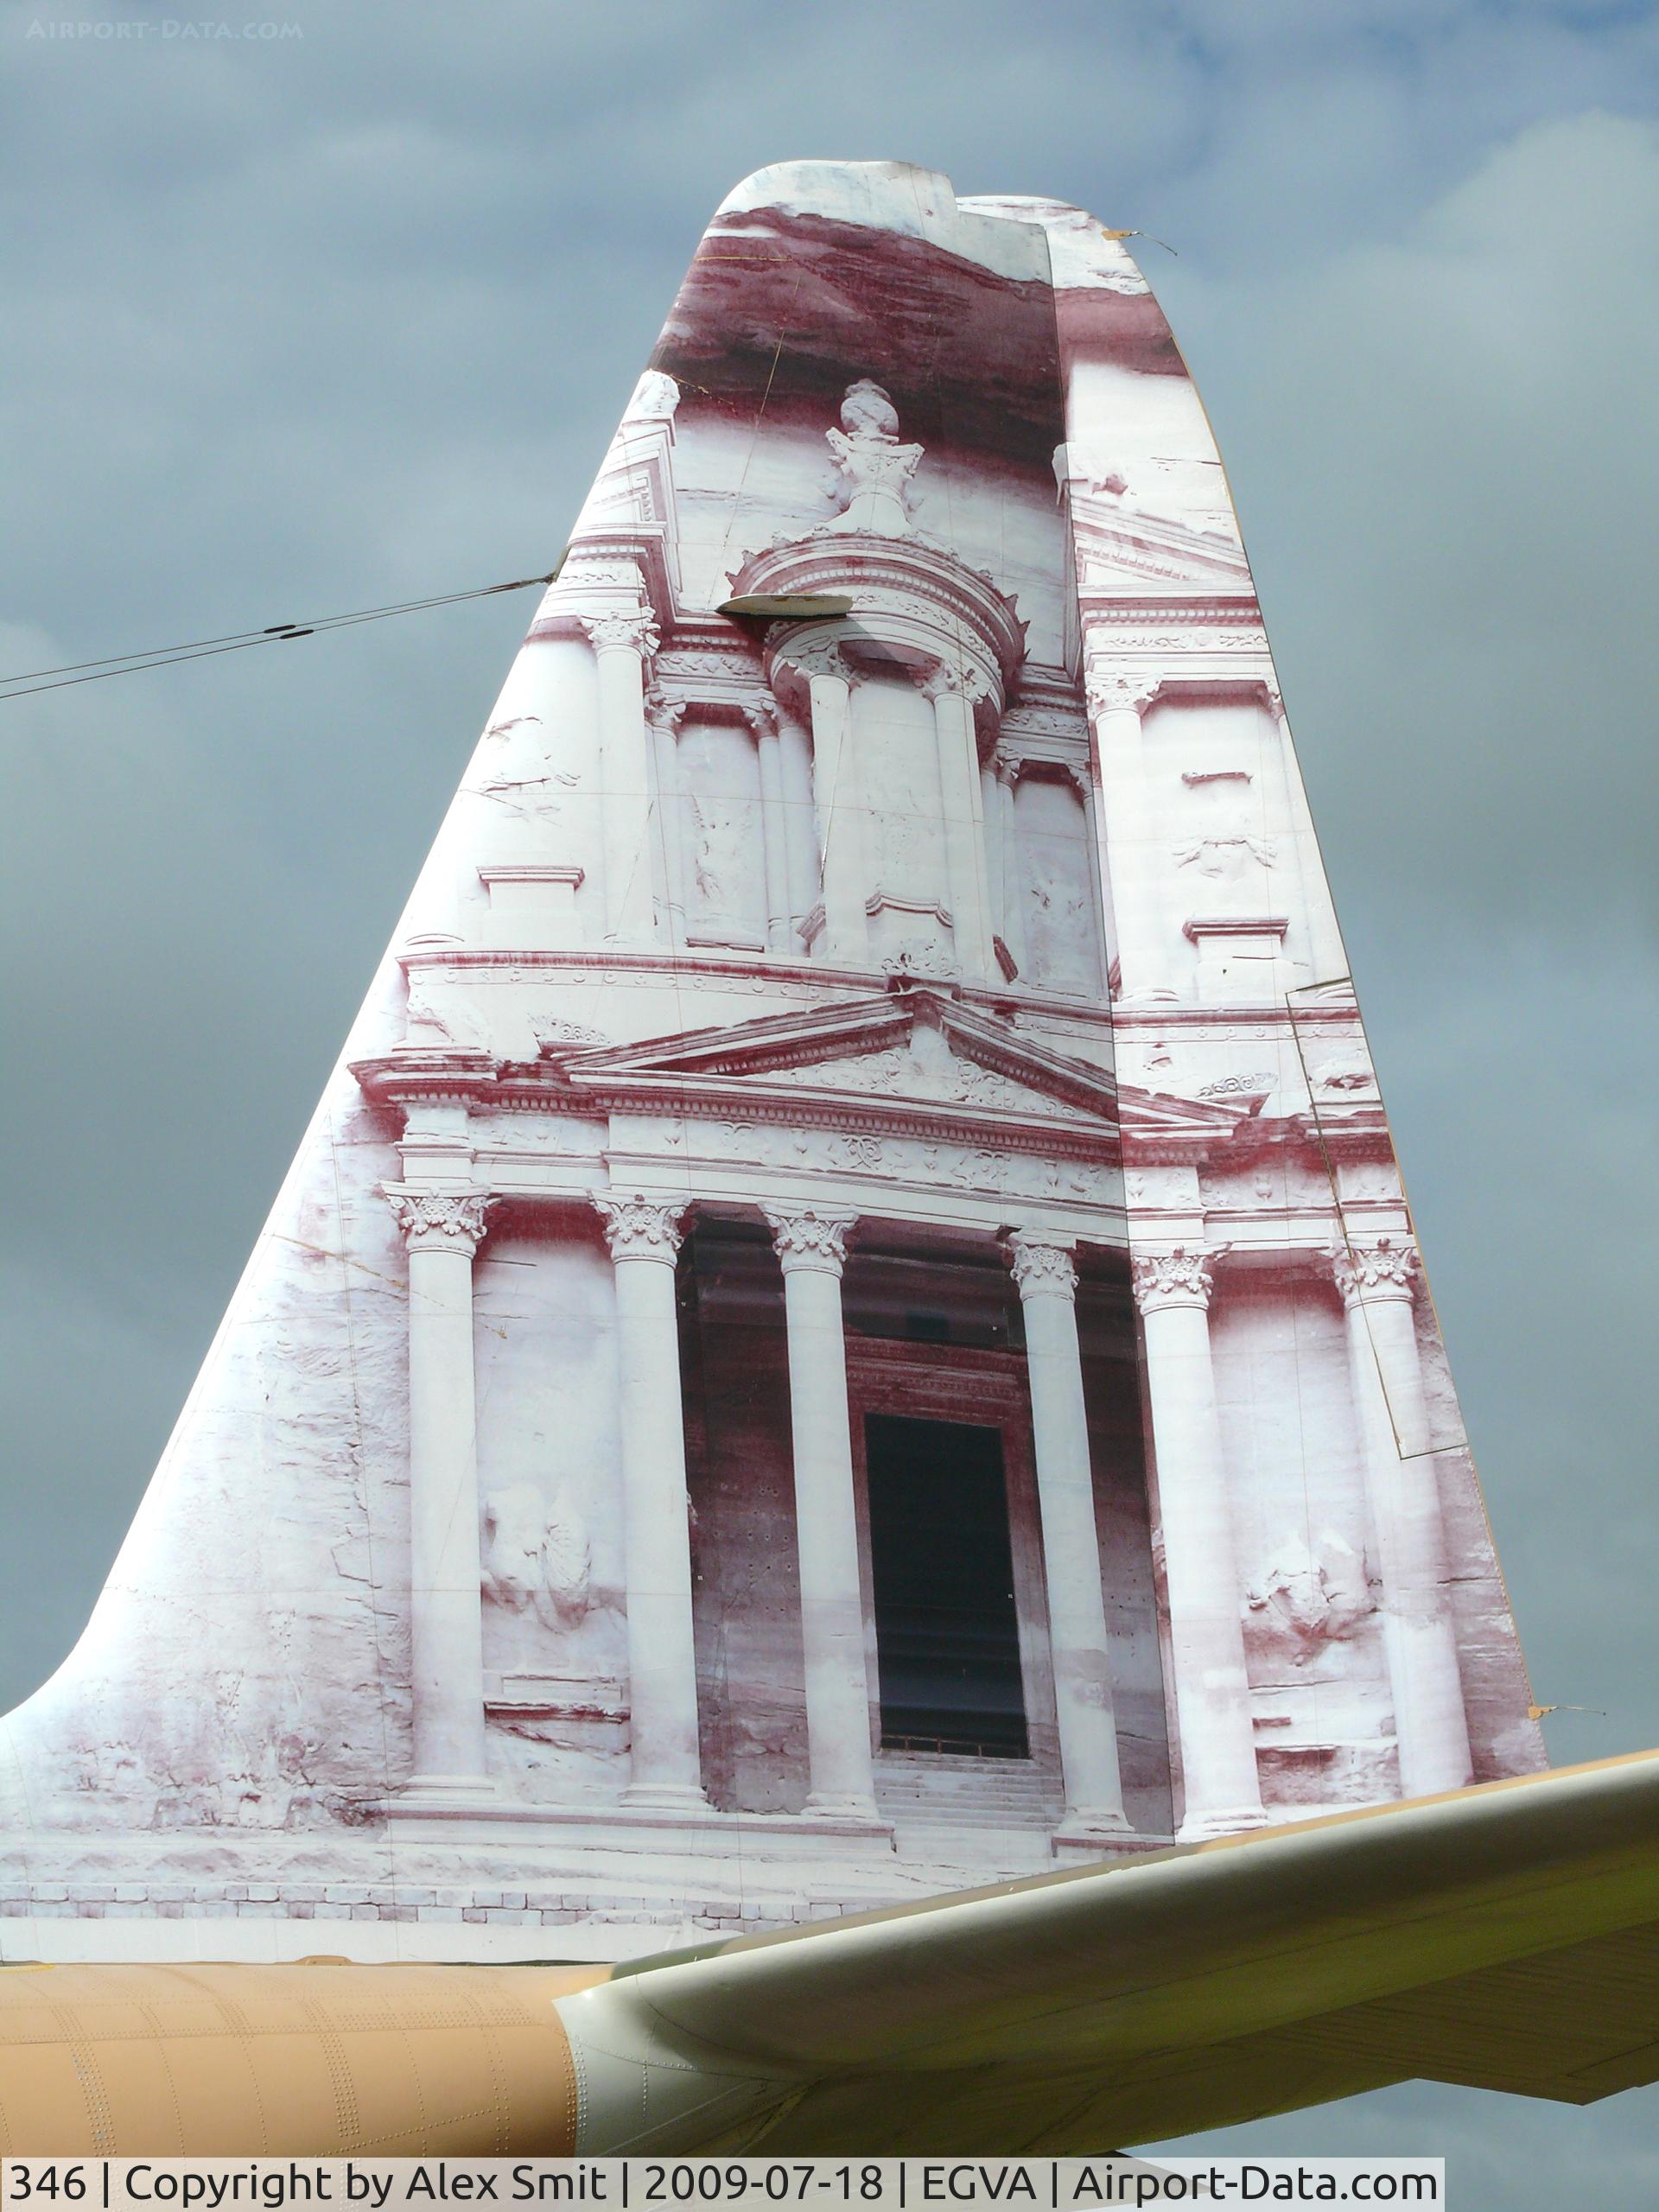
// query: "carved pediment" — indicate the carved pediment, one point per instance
point(917, 1058)
point(923, 1066)
point(913, 1054)
point(916, 1061)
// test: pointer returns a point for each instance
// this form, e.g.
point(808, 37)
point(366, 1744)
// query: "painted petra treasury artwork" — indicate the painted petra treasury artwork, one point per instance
point(847, 1325)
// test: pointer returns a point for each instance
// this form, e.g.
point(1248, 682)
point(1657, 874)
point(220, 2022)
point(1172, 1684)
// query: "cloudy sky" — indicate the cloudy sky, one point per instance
point(345, 313)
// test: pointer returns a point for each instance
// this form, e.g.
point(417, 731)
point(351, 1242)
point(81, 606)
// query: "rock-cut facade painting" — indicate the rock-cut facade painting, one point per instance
point(846, 1324)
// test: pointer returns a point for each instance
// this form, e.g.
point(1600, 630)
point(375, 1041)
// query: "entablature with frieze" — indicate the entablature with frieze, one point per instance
point(751, 1164)
point(1141, 646)
point(716, 971)
point(702, 663)
point(1045, 724)
point(709, 969)
point(1248, 1221)
point(1265, 1019)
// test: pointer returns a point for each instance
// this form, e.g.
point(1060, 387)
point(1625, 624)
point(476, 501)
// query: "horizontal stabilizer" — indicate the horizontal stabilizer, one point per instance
point(1505, 1937)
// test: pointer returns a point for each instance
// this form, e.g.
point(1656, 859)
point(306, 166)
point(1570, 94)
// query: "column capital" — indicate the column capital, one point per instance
point(811, 1236)
point(1119, 692)
point(639, 1228)
point(630, 629)
point(1176, 1278)
point(807, 656)
point(1043, 1263)
point(663, 713)
point(762, 721)
point(440, 1221)
point(1006, 765)
point(955, 680)
point(1364, 1273)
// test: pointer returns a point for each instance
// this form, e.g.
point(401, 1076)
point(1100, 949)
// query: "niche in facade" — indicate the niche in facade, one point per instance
point(1055, 884)
point(721, 835)
point(1219, 883)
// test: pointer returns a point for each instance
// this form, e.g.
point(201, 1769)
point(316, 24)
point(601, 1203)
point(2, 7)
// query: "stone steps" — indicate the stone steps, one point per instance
point(946, 1791)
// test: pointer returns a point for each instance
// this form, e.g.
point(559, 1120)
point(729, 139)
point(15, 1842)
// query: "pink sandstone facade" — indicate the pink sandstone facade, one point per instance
point(848, 1324)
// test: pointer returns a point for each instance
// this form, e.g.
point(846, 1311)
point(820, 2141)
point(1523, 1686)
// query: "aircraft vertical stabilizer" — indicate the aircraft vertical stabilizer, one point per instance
point(847, 1325)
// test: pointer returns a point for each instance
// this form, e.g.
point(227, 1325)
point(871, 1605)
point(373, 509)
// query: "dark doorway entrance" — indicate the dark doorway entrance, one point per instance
point(946, 1630)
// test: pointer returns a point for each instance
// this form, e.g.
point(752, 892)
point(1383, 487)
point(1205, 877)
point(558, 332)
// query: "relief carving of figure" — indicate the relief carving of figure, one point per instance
point(1225, 836)
point(1350, 1072)
point(876, 467)
point(434, 1027)
point(915, 953)
point(554, 1034)
point(724, 841)
point(520, 770)
point(1223, 858)
point(536, 1556)
point(923, 1067)
point(1310, 1594)
point(1060, 933)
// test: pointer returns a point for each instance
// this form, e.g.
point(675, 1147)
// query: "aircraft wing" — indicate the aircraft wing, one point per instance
point(1505, 1937)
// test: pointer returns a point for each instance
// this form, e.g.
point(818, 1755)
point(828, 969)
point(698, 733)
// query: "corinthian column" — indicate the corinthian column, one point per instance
point(1046, 1277)
point(774, 845)
point(990, 825)
point(643, 1235)
point(665, 717)
point(834, 793)
point(1401, 1479)
point(441, 1230)
point(623, 643)
point(795, 759)
point(964, 833)
point(1012, 894)
point(812, 1246)
point(1128, 852)
point(1212, 1692)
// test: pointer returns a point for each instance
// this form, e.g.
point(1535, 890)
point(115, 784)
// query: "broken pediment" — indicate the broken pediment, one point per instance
point(1151, 1115)
point(1120, 546)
